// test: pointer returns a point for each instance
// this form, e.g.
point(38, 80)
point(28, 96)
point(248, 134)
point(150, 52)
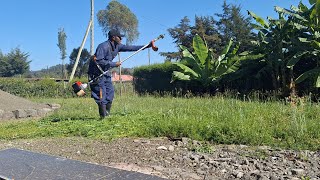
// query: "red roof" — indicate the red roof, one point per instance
point(116, 77)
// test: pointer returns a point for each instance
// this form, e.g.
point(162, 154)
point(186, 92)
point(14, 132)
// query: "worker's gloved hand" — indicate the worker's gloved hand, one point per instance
point(151, 44)
point(118, 64)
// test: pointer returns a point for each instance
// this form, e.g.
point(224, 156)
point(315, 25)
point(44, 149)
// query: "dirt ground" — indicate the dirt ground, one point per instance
point(175, 160)
point(9, 102)
point(178, 159)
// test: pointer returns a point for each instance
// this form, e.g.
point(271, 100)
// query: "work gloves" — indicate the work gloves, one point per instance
point(154, 47)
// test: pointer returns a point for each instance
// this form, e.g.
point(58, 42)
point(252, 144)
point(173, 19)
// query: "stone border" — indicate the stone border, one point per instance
point(27, 113)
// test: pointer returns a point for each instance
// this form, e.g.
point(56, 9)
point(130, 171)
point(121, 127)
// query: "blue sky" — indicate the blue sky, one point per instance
point(33, 25)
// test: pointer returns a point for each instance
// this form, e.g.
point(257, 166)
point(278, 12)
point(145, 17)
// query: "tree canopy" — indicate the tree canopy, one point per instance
point(118, 16)
point(83, 62)
point(14, 63)
point(217, 33)
point(62, 46)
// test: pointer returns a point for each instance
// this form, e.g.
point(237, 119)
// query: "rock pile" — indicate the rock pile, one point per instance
point(14, 107)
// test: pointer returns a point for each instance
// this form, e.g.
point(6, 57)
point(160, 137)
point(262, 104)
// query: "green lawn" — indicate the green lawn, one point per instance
point(215, 119)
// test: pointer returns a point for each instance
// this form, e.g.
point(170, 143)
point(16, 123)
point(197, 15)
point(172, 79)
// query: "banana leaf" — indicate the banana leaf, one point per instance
point(296, 58)
point(258, 19)
point(315, 10)
point(293, 14)
point(318, 81)
point(179, 76)
point(200, 49)
point(187, 56)
point(307, 74)
point(187, 70)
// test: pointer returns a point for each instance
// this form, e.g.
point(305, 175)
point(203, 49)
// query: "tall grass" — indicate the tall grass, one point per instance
point(216, 119)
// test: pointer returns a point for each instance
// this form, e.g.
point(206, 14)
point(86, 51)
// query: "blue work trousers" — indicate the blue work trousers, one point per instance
point(102, 91)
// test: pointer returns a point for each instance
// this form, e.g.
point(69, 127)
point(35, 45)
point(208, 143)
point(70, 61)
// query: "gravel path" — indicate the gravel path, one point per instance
point(174, 160)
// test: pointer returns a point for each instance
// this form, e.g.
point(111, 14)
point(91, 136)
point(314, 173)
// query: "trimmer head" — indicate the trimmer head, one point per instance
point(79, 88)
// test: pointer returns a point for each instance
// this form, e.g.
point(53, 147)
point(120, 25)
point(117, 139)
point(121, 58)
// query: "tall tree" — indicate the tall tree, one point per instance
point(118, 16)
point(83, 62)
point(205, 26)
point(232, 24)
point(62, 46)
point(182, 36)
point(14, 63)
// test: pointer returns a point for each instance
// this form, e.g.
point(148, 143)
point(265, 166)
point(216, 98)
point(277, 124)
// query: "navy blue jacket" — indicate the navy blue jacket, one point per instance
point(105, 53)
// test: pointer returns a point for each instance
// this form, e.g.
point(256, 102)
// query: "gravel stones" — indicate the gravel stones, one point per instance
point(181, 163)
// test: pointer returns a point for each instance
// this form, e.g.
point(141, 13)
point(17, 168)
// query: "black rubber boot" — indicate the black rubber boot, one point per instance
point(108, 108)
point(102, 111)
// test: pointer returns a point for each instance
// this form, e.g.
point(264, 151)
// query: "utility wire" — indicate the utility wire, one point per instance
point(156, 21)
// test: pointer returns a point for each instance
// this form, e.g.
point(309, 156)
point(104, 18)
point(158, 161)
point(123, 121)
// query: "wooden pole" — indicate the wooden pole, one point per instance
point(120, 75)
point(79, 53)
point(149, 55)
point(92, 28)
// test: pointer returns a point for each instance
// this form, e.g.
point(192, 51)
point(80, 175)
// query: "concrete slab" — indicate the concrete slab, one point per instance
point(20, 164)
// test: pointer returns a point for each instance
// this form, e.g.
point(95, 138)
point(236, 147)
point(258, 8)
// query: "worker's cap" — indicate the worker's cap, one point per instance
point(114, 32)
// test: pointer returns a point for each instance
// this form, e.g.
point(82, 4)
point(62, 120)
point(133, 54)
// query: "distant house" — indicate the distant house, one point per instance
point(125, 78)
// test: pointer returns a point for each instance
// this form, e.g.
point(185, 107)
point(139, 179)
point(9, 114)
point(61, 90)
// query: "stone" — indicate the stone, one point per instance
point(8, 115)
point(20, 113)
point(43, 111)
point(185, 140)
point(179, 143)
point(297, 172)
point(1, 113)
point(31, 112)
point(55, 106)
point(171, 148)
point(162, 148)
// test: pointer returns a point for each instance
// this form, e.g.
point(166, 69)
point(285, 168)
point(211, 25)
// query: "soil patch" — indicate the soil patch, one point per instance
point(175, 160)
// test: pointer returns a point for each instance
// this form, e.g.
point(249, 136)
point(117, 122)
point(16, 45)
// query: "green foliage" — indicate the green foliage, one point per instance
point(50, 72)
point(290, 45)
point(50, 88)
point(62, 46)
point(233, 24)
point(35, 88)
point(202, 67)
point(14, 63)
point(216, 119)
point(83, 63)
point(153, 78)
point(62, 43)
point(118, 16)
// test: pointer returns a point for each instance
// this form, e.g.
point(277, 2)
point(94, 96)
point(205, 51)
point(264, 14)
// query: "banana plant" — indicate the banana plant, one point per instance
point(285, 41)
point(272, 38)
point(202, 67)
point(308, 40)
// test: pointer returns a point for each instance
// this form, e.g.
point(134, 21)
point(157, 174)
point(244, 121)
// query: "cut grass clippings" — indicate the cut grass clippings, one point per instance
point(216, 119)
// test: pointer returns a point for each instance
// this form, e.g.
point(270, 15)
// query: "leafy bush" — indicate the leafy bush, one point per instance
point(36, 87)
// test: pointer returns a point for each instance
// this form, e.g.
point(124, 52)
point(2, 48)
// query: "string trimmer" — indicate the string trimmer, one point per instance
point(79, 87)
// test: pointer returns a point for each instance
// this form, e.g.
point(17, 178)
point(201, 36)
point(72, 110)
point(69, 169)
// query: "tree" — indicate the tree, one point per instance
point(83, 62)
point(14, 63)
point(62, 46)
point(182, 36)
point(118, 16)
point(205, 26)
point(184, 32)
point(232, 24)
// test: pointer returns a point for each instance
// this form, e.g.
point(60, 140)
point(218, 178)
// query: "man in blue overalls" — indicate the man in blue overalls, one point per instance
point(102, 91)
